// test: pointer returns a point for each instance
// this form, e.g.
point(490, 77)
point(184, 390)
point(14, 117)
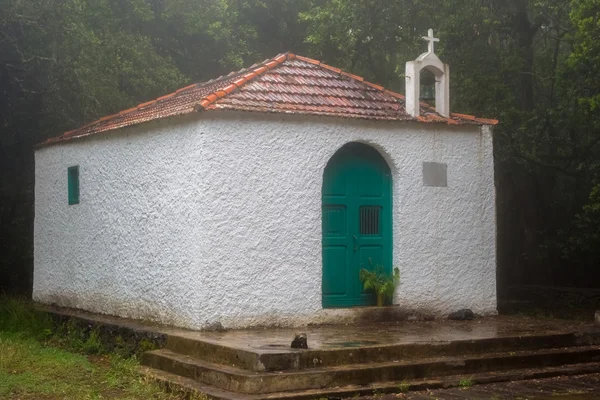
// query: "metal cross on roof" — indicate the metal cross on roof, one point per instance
point(431, 40)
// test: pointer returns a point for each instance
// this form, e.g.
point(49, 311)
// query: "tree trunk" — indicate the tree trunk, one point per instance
point(525, 32)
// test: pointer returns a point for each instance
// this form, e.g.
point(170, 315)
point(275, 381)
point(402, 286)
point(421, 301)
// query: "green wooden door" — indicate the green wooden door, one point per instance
point(356, 223)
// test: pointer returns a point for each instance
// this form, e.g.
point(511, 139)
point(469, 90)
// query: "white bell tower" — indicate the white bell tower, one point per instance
point(441, 71)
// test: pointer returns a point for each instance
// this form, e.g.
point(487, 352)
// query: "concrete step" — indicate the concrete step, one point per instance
point(184, 385)
point(242, 381)
point(279, 359)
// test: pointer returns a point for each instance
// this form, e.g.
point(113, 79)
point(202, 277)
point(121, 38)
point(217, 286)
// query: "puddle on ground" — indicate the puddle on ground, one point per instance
point(356, 343)
point(274, 346)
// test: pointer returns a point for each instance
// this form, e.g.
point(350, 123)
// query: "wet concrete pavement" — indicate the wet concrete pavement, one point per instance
point(390, 333)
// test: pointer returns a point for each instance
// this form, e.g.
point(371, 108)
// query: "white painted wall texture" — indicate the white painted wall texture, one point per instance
point(216, 217)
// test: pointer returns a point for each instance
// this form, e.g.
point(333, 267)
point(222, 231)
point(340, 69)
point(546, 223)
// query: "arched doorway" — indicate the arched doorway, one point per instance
point(356, 222)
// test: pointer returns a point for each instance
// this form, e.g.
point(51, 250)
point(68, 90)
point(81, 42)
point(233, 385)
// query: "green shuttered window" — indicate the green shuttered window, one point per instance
point(73, 178)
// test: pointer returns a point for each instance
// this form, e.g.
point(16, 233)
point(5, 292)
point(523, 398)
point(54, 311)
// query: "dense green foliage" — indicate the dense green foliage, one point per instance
point(533, 64)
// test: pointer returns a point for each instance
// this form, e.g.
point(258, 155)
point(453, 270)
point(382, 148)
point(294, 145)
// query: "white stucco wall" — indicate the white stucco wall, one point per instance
point(217, 217)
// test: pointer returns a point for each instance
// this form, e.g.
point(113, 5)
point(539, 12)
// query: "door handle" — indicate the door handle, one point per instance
point(354, 239)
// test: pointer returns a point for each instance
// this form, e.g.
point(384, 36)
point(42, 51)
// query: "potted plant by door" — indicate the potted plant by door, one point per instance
point(382, 284)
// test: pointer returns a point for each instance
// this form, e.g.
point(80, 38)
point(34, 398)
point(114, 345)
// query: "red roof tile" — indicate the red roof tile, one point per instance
point(285, 84)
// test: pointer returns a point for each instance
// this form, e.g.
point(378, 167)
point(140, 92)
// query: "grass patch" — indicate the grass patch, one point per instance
point(40, 359)
point(465, 383)
point(403, 387)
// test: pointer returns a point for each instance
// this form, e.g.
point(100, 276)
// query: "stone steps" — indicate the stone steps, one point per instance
point(244, 381)
point(173, 382)
point(288, 359)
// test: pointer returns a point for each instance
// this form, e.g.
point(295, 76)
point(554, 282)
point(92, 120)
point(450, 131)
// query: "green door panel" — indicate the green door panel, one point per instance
point(335, 258)
point(356, 222)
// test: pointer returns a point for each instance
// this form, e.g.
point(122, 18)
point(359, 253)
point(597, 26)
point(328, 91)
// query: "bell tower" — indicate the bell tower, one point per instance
point(430, 61)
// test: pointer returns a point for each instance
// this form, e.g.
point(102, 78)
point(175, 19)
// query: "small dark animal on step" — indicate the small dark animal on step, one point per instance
point(462, 315)
point(300, 341)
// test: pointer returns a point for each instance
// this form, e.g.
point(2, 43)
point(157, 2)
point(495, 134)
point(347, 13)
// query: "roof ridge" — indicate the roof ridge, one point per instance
point(266, 65)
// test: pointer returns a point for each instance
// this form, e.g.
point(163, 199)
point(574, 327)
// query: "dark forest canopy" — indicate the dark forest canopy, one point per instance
point(533, 64)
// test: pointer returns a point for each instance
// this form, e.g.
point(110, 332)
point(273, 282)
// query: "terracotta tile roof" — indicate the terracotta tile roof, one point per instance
point(287, 84)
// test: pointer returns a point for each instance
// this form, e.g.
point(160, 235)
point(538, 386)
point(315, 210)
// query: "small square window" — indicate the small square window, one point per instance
point(435, 174)
point(73, 179)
